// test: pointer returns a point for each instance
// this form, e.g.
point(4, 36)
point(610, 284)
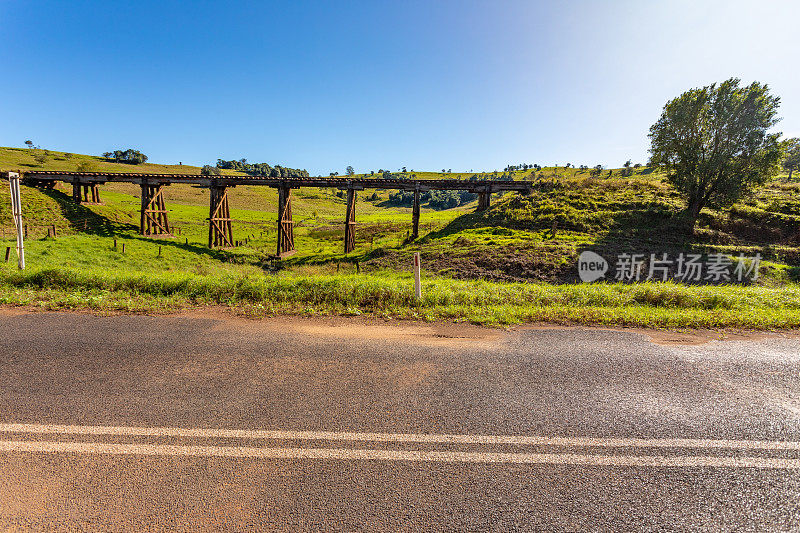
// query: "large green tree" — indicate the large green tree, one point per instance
point(715, 145)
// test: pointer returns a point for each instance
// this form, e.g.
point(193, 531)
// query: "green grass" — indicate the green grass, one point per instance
point(388, 294)
point(25, 159)
point(504, 266)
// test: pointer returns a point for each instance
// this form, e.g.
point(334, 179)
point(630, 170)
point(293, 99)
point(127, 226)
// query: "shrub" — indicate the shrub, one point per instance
point(40, 157)
point(208, 170)
point(84, 166)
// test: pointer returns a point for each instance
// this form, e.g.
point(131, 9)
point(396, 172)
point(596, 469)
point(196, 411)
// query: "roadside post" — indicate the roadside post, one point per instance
point(417, 286)
point(16, 213)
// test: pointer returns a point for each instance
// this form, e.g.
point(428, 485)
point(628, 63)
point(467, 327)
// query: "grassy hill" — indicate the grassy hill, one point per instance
point(25, 159)
point(515, 239)
point(485, 255)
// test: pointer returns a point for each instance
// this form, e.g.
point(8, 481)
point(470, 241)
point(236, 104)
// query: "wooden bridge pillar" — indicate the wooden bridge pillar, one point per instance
point(484, 200)
point(350, 222)
point(285, 224)
point(220, 233)
point(153, 219)
point(91, 194)
point(83, 193)
point(415, 216)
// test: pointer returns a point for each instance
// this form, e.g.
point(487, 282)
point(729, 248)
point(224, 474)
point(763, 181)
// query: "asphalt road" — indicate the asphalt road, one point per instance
point(204, 422)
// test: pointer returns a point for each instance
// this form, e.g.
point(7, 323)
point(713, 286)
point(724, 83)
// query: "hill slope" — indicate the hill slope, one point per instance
point(25, 159)
point(514, 240)
point(98, 261)
point(541, 235)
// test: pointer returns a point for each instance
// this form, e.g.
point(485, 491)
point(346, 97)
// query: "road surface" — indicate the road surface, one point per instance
point(207, 422)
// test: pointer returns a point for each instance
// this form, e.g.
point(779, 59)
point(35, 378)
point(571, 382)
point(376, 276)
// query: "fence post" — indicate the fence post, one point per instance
point(16, 213)
point(417, 285)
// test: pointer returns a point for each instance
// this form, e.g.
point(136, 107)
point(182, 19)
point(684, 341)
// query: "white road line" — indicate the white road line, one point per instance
point(399, 455)
point(610, 442)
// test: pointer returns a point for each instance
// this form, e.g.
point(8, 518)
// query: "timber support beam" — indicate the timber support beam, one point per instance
point(85, 193)
point(220, 233)
point(153, 216)
point(88, 193)
point(350, 222)
point(484, 200)
point(415, 216)
point(285, 224)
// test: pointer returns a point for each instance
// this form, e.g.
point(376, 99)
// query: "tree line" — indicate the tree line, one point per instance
point(129, 156)
point(254, 169)
point(434, 199)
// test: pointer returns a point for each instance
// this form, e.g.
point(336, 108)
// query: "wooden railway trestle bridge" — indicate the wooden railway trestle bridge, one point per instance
point(153, 212)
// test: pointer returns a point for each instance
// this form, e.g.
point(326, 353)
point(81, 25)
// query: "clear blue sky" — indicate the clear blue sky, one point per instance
point(427, 85)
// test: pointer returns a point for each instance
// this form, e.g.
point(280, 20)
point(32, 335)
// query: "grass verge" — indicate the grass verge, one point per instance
point(390, 294)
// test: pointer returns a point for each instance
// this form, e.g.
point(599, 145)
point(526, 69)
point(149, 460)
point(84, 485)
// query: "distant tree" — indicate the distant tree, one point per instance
point(596, 171)
point(403, 170)
point(135, 157)
point(262, 169)
point(637, 165)
point(208, 170)
point(442, 171)
point(29, 143)
point(792, 160)
point(449, 170)
point(626, 168)
point(349, 171)
point(714, 143)
point(404, 198)
point(130, 156)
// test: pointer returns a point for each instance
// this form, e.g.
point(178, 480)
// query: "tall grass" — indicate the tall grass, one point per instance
point(390, 294)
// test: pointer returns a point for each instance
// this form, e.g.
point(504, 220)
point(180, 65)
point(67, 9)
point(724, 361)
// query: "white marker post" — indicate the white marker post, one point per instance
point(16, 213)
point(417, 286)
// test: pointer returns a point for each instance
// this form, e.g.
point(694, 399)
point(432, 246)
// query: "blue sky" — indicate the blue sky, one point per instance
point(426, 85)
